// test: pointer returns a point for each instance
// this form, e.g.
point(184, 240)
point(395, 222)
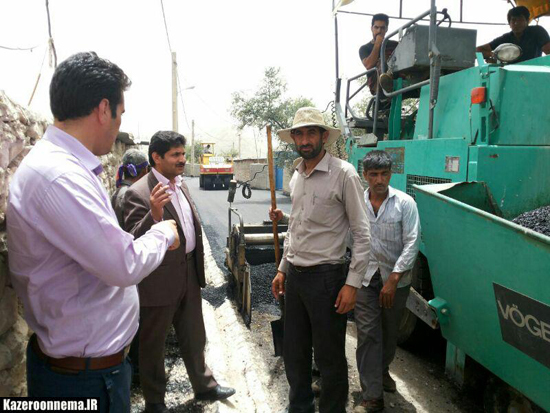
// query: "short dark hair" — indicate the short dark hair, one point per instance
point(376, 160)
point(380, 17)
point(517, 12)
point(162, 141)
point(81, 82)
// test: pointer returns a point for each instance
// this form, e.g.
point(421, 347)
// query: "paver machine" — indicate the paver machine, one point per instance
point(475, 153)
point(248, 245)
point(215, 171)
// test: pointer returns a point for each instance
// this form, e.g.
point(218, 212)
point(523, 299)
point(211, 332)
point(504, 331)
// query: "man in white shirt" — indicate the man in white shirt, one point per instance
point(395, 230)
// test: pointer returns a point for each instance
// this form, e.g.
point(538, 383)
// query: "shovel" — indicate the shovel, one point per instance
point(277, 326)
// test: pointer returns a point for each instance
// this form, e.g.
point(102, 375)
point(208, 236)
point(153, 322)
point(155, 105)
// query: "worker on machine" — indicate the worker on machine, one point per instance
point(370, 53)
point(533, 40)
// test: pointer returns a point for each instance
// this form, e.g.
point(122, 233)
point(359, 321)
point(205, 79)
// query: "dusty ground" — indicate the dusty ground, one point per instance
point(243, 358)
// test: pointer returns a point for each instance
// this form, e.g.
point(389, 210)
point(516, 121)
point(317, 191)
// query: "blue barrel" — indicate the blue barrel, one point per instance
point(278, 178)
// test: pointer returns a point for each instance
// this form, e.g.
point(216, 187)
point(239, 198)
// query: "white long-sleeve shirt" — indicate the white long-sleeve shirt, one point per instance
point(395, 236)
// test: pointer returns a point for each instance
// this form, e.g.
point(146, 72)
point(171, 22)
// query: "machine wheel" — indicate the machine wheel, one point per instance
point(201, 181)
point(411, 330)
point(208, 183)
point(500, 397)
point(226, 181)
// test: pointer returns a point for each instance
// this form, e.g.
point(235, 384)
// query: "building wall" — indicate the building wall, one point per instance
point(19, 131)
point(241, 168)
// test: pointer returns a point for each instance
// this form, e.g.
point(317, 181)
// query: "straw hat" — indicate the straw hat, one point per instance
point(309, 117)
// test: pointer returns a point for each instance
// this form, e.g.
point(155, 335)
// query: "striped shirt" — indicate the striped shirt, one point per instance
point(394, 237)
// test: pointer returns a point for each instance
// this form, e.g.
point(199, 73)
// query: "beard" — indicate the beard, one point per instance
point(313, 150)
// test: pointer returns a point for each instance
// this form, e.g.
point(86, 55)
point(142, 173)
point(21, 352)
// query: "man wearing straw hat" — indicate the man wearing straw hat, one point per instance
point(327, 201)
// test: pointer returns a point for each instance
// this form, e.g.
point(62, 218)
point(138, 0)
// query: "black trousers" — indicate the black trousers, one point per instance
point(311, 321)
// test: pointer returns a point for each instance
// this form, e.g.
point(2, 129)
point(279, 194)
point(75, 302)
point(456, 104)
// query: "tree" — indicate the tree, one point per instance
point(198, 151)
point(269, 104)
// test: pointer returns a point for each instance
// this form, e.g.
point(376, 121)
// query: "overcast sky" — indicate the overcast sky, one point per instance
point(222, 46)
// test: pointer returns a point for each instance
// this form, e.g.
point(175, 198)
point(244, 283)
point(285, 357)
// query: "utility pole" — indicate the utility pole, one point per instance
point(192, 147)
point(174, 93)
point(240, 145)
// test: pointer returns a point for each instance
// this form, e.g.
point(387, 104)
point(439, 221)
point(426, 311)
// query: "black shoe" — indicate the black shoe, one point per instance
point(217, 393)
point(155, 408)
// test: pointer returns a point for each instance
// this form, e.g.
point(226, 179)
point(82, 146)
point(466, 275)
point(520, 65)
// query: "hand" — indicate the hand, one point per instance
point(346, 299)
point(387, 294)
point(174, 228)
point(379, 39)
point(275, 215)
point(278, 284)
point(159, 197)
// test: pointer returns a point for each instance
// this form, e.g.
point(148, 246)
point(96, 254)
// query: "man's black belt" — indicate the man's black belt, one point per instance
point(190, 255)
point(318, 268)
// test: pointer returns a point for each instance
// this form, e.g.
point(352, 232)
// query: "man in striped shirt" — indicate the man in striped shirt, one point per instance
point(395, 230)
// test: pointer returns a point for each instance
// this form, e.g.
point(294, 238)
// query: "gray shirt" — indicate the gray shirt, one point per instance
point(326, 204)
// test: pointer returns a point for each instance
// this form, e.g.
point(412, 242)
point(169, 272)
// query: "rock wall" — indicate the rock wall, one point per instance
point(19, 130)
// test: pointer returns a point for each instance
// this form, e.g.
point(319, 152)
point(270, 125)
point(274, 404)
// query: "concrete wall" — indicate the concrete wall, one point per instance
point(241, 167)
point(192, 170)
point(260, 172)
point(19, 130)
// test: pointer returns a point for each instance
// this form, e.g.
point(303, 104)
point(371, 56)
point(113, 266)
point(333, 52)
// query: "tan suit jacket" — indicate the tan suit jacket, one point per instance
point(168, 282)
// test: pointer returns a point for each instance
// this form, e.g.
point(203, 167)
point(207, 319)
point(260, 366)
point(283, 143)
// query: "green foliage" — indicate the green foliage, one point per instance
point(198, 151)
point(230, 153)
point(269, 104)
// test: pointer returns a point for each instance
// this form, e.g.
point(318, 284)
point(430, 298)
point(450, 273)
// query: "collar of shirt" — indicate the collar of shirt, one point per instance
point(391, 194)
point(163, 180)
point(321, 166)
point(70, 144)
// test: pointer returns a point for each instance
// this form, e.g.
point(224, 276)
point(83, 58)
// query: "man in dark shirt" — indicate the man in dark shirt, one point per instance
point(533, 40)
point(370, 52)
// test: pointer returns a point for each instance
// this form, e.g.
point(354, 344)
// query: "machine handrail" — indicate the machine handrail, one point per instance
point(433, 80)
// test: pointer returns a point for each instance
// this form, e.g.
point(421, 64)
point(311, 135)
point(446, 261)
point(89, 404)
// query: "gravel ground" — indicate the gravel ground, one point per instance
point(538, 220)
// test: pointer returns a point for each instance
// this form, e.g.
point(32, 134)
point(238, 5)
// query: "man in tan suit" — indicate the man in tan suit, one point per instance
point(171, 294)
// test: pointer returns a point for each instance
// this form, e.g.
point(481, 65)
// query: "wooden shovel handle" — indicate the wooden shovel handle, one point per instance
point(273, 198)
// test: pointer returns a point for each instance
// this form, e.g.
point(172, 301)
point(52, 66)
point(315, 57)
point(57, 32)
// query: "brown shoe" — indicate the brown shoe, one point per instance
point(386, 82)
point(370, 406)
point(388, 383)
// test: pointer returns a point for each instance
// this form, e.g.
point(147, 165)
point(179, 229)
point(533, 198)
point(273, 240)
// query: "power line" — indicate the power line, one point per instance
point(52, 46)
point(20, 48)
point(177, 68)
point(165, 26)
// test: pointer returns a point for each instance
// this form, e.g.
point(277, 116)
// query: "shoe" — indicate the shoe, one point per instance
point(316, 387)
point(370, 406)
point(386, 82)
point(388, 383)
point(217, 393)
point(155, 408)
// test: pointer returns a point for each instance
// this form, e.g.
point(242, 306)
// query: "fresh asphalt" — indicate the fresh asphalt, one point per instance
point(213, 209)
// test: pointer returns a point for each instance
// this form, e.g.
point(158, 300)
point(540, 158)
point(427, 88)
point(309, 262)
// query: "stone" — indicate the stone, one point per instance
point(8, 310)
point(6, 358)
point(3, 276)
point(6, 383)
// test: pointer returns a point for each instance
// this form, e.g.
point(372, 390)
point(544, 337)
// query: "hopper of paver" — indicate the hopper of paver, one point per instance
point(491, 280)
point(249, 244)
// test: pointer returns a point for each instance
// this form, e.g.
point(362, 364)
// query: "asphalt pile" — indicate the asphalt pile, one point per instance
point(261, 277)
point(537, 220)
